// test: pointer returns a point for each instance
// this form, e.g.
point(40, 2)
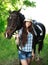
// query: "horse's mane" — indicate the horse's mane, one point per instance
point(22, 17)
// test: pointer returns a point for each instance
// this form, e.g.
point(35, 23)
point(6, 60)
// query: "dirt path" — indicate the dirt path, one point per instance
point(16, 62)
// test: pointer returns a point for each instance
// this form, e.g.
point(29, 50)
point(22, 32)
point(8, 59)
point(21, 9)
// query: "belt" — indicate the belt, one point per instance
point(21, 49)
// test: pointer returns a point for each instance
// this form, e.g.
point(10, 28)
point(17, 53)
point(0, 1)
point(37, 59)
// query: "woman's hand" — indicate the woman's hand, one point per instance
point(33, 55)
point(17, 35)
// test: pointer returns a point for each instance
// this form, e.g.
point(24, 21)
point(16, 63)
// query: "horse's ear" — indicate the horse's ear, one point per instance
point(19, 10)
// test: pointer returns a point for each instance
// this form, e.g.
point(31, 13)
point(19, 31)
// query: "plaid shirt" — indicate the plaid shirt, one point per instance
point(28, 45)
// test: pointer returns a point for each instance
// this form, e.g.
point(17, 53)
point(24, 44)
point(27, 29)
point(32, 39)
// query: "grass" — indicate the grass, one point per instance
point(8, 50)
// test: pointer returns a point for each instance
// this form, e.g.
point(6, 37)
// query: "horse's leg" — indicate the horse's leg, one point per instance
point(39, 49)
point(40, 46)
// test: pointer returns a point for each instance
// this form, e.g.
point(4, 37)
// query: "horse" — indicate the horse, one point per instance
point(15, 22)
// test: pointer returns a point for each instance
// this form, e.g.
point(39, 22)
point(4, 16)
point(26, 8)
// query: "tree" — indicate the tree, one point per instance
point(6, 5)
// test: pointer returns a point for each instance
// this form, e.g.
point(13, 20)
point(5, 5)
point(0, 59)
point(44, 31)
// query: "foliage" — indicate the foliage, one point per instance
point(8, 49)
point(6, 5)
point(28, 3)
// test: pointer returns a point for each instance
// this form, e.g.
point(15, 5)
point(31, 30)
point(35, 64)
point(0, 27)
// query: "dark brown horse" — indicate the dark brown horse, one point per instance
point(15, 22)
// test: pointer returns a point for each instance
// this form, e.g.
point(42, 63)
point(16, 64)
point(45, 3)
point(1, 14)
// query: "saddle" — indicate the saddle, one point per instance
point(37, 28)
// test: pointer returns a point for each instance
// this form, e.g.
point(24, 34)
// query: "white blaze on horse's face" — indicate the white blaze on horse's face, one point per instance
point(6, 35)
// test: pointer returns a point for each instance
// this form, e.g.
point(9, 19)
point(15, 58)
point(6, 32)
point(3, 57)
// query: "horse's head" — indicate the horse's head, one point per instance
point(14, 22)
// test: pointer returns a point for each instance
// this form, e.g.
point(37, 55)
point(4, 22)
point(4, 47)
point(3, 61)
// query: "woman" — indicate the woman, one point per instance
point(25, 45)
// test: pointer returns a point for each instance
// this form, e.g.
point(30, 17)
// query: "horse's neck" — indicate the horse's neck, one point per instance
point(21, 19)
point(21, 16)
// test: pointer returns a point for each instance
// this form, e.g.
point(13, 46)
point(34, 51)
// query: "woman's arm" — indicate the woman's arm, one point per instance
point(33, 49)
point(32, 52)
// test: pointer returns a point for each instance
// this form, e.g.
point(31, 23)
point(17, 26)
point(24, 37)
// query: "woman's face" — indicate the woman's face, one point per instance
point(27, 24)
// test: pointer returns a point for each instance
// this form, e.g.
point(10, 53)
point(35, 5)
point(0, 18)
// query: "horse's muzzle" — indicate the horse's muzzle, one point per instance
point(7, 35)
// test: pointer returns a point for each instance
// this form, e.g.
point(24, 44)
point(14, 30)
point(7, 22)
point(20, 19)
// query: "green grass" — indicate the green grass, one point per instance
point(8, 50)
